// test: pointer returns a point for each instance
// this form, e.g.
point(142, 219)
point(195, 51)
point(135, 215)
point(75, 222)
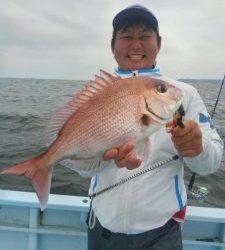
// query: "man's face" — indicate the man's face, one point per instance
point(136, 48)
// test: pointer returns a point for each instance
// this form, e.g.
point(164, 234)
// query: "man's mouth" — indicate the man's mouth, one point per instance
point(135, 57)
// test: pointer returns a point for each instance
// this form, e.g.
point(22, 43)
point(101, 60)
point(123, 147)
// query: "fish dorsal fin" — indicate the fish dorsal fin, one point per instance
point(94, 87)
point(57, 121)
point(108, 77)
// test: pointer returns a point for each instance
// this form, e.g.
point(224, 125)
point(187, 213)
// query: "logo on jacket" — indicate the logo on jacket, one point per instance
point(206, 118)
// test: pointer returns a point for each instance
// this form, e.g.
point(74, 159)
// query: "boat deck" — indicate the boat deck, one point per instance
point(62, 225)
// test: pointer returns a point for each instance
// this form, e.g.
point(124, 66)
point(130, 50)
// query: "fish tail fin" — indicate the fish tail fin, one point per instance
point(38, 172)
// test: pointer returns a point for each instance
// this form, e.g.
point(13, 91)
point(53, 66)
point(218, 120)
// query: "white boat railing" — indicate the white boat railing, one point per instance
point(63, 224)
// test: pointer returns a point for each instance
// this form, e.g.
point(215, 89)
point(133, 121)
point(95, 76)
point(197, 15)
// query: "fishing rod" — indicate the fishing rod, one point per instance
point(221, 86)
point(192, 180)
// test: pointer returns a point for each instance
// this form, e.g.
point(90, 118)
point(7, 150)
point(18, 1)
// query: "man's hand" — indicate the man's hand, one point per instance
point(188, 140)
point(123, 156)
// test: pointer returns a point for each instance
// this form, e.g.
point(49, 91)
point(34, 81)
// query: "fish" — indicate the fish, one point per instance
point(105, 114)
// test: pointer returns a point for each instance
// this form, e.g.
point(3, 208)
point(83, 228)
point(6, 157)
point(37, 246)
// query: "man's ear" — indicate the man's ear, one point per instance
point(159, 42)
point(112, 46)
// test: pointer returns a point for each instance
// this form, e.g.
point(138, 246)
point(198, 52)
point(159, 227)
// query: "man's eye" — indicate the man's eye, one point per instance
point(127, 37)
point(145, 36)
point(161, 88)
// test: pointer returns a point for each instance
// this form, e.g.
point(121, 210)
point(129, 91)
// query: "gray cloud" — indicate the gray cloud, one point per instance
point(71, 39)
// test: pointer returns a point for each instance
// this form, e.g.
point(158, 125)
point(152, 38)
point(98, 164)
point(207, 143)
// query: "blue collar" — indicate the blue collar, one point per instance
point(127, 73)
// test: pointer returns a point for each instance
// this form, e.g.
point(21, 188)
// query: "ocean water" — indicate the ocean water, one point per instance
point(26, 106)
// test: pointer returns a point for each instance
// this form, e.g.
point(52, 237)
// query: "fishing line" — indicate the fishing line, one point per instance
point(202, 190)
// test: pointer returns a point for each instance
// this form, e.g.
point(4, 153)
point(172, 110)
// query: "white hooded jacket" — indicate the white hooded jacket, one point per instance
point(150, 200)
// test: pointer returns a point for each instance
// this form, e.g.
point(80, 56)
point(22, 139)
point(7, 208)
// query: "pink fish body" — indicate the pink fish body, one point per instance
point(105, 114)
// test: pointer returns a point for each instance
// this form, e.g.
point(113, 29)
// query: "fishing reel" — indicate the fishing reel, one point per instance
point(198, 193)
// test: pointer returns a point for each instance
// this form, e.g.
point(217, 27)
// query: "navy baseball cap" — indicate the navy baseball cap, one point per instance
point(135, 12)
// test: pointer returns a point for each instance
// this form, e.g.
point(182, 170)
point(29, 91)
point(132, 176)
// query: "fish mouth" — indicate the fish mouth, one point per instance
point(164, 119)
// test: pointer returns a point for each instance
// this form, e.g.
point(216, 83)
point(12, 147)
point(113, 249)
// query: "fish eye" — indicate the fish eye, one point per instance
point(161, 88)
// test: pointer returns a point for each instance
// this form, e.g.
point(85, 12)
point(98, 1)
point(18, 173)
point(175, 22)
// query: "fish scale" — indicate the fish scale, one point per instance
point(106, 127)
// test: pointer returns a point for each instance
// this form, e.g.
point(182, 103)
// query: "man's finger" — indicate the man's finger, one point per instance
point(124, 150)
point(130, 161)
point(110, 154)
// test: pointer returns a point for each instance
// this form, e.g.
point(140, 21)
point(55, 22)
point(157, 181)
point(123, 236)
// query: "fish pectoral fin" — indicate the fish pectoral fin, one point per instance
point(85, 167)
point(142, 149)
point(39, 174)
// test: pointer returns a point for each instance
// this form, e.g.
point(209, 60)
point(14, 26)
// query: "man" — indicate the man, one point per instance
point(145, 213)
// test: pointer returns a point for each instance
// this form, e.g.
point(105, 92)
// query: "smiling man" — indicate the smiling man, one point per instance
point(136, 42)
point(146, 212)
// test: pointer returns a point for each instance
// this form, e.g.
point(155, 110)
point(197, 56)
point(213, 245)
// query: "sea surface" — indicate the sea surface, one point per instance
point(26, 106)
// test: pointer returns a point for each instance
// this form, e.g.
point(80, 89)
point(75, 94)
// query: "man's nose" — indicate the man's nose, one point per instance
point(136, 43)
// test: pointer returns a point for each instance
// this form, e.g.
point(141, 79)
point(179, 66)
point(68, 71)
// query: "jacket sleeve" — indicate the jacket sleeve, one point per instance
point(210, 158)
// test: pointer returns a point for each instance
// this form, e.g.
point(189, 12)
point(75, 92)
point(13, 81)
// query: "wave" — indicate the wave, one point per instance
point(15, 123)
point(15, 117)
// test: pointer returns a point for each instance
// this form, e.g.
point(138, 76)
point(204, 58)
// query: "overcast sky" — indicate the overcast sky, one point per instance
point(70, 39)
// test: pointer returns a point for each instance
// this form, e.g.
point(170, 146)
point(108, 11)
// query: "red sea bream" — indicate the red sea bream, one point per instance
point(108, 112)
